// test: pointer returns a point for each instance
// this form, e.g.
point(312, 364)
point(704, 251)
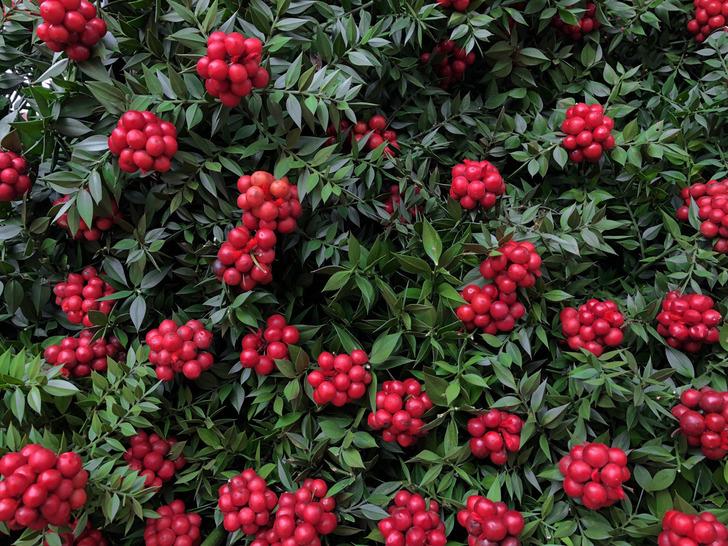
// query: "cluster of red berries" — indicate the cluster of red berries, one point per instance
point(231, 67)
point(516, 265)
point(712, 201)
point(99, 224)
point(450, 62)
point(71, 26)
point(494, 434)
point(14, 179)
point(246, 503)
point(245, 261)
point(400, 407)
point(148, 454)
point(710, 15)
point(595, 473)
point(78, 294)
point(173, 527)
point(260, 349)
point(332, 133)
point(586, 24)
point(413, 522)
point(79, 355)
point(268, 203)
point(490, 523)
point(378, 133)
point(588, 132)
point(476, 183)
point(395, 198)
point(340, 379)
point(703, 417)
point(302, 517)
point(457, 5)
point(688, 321)
point(489, 309)
point(40, 487)
point(680, 529)
point(595, 325)
point(89, 537)
point(175, 349)
point(142, 141)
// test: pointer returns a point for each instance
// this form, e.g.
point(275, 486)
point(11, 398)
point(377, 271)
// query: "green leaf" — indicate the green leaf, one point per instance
point(431, 241)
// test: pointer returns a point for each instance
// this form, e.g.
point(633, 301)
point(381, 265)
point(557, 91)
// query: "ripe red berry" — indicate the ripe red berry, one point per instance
point(588, 130)
point(400, 406)
point(261, 348)
point(495, 434)
point(14, 179)
point(594, 473)
point(476, 183)
point(129, 140)
point(171, 353)
point(688, 322)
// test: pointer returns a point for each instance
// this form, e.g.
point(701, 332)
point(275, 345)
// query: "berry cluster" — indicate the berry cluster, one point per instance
point(457, 5)
point(494, 434)
point(489, 309)
point(175, 349)
point(476, 183)
point(340, 379)
point(588, 132)
point(712, 201)
point(703, 417)
point(333, 134)
point(302, 517)
point(594, 473)
point(100, 223)
point(595, 325)
point(490, 523)
point(79, 355)
point(680, 529)
point(450, 62)
point(40, 487)
point(586, 24)
point(395, 198)
point(149, 454)
point(378, 133)
point(413, 522)
point(400, 407)
point(268, 203)
point(231, 67)
point(245, 261)
point(174, 527)
point(71, 26)
point(89, 537)
point(78, 294)
point(143, 142)
point(688, 321)
point(710, 15)
point(246, 503)
point(517, 264)
point(14, 179)
point(273, 341)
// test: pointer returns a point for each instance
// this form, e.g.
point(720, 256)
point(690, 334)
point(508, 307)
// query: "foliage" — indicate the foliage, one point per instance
point(355, 277)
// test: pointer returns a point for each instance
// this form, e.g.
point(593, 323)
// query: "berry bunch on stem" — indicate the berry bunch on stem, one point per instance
point(80, 355)
point(144, 142)
point(710, 15)
point(516, 264)
point(246, 503)
point(593, 326)
point(594, 473)
point(712, 201)
point(400, 407)
point(394, 199)
point(245, 261)
point(79, 293)
point(89, 537)
point(180, 349)
point(457, 5)
point(489, 309)
point(490, 523)
point(262, 348)
point(231, 68)
point(588, 132)
point(494, 434)
point(268, 202)
point(72, 26)
point(340, 379)
point(679, 529)
point(150, 455)
point(450, 62)
point(476, 183)
point(378, 133)
point(40, 488)
point(703, 417)
point(413, 521)
point(98, 226)
point(174, 527)
point(14, 179)
point(688, 321)
point(586, 24)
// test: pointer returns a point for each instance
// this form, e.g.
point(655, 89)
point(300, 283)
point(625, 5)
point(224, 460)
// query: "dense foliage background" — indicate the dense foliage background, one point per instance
point(353, 276)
